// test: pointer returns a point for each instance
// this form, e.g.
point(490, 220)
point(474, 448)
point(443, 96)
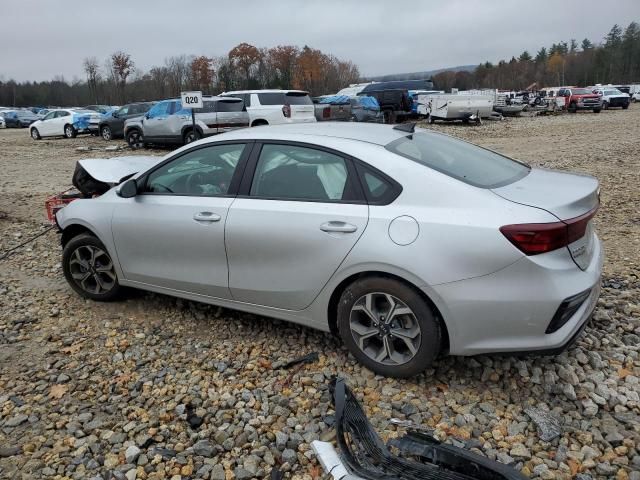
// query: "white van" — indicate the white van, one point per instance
point(273, 107)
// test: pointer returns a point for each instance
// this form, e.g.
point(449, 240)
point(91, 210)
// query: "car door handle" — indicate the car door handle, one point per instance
point(206, 217)
point(341, 227)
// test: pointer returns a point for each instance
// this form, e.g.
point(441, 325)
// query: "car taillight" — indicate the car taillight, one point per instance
point(536, 238)
point(326, 112)
point(286, 110)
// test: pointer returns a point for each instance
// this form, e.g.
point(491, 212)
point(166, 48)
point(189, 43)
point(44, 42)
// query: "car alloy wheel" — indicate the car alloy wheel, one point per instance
point(34, 134)
point(68, 131)
point(92, 269)
point(385, 328)
point(191, 136)
point(106, 133)
point(134, 139)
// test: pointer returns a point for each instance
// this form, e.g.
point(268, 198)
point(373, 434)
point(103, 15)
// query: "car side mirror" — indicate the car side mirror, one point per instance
point(115, 114)
point(146, 115)
point(128, 189)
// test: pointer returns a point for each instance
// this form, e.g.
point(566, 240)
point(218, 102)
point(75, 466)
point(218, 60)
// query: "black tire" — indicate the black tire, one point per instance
point(573, 108)
point(596, 110)
point(106, 133)
point(35, 134)
point(135, 139)
point(190, 136)
point(100, 280)
point(624, 107)
point(257, 123)
point(605, 105)
point(69, 131)
point(421, 316)
point(431, 120)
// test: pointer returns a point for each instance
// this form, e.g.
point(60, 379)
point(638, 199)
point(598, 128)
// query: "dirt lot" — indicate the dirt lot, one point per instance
point(92, 390)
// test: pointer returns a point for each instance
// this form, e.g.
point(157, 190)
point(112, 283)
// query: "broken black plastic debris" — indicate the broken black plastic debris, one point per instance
point(308, 358)
point(367, 456)
point(194, 420)
point(276, 474)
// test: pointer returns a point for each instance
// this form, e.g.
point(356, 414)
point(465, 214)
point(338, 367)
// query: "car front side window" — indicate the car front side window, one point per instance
point(291, 172)
point(205, 171)
point(49, 116)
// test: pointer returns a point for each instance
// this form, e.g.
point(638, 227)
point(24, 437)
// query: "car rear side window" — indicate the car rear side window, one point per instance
point(229, 106)
point(271, 98)
point(461, 160)
point(298, 173)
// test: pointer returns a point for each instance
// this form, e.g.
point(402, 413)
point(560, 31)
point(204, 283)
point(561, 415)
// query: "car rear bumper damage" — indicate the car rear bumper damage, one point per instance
point(533, 305)
point(417, 455)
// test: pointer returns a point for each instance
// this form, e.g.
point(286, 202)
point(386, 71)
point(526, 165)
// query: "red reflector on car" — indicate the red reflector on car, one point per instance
point(536, 238)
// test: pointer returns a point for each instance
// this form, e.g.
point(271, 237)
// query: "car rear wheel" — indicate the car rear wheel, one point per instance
point(106, 133)
point(605, 105)
point(388, 327)
point(573, 108)
point(135, 139)
point(35, 134)
point(596, 110)
point(624, 107)
point(89, 269)
point(69, 131)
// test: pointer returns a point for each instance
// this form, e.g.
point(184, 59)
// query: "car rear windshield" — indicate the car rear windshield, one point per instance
point(461, 160)
point(298, 98)
point(580, 91)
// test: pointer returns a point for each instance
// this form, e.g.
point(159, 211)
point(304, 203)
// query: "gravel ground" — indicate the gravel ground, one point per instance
point(91, 390)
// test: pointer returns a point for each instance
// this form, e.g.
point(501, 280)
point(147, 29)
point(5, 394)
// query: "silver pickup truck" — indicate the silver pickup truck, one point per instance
point(332, 108)
point(167, 123)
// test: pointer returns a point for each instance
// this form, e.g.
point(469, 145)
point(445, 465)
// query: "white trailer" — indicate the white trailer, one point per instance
point(450, 107)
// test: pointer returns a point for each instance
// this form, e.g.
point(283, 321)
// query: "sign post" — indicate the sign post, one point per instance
point(192, 100)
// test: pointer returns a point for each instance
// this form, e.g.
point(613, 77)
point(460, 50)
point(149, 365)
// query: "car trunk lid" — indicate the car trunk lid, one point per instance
point(569, 197)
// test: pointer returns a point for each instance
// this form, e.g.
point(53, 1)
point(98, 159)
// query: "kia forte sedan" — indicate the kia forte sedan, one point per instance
point(405, 243)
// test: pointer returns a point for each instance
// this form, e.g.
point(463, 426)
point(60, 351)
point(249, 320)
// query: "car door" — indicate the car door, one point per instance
point(295, 220)
point(47, 127)
point(154, 123)
point(116, 122)
point(230, 114)
point(171, 234)
point(62, 118)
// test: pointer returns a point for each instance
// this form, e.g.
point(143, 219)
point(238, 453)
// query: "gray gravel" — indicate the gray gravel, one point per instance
point(104, 391)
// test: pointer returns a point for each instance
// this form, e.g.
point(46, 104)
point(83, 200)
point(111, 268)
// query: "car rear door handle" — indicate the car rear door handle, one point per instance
point(341, 227)
point(207, 217)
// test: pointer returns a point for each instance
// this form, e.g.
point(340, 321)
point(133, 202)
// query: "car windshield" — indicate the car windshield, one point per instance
point(612, 92)
point(458, 159)
point(25, 114)
point(580, 91)
point(85, 111)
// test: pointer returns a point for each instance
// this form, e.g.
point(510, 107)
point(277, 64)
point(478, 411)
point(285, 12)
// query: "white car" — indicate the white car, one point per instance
point(67, 122)
point(273, 107)
point(612, 97)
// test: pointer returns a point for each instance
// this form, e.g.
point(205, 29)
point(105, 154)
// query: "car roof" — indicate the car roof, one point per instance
point(271, 90)
point(377, 134)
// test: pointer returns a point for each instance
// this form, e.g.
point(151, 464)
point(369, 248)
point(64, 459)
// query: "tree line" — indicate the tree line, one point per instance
point(117, 80)
point(615, 60)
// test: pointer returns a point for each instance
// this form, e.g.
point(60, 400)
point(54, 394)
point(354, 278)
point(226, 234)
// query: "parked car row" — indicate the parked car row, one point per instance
point(17, 118)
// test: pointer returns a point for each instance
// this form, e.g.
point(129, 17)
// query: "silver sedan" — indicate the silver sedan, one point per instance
point(407, 244)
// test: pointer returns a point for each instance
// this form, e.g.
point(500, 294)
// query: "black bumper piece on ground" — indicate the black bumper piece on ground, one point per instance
point(420, 456)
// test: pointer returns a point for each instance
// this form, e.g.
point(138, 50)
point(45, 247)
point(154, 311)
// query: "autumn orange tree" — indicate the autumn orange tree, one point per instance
point(202, 73)
point(283, 58)
point(244, 57)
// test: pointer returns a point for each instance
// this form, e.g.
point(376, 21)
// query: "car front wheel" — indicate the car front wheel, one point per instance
point(135, 139)
point(89, 269)
point(388, 327)
point(35, 134)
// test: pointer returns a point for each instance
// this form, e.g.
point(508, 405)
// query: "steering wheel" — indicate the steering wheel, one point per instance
point(158, 186)
point(194, 181)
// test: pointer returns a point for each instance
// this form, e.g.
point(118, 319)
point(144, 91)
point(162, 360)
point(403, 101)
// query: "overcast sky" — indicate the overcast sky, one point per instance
point(45, 38)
